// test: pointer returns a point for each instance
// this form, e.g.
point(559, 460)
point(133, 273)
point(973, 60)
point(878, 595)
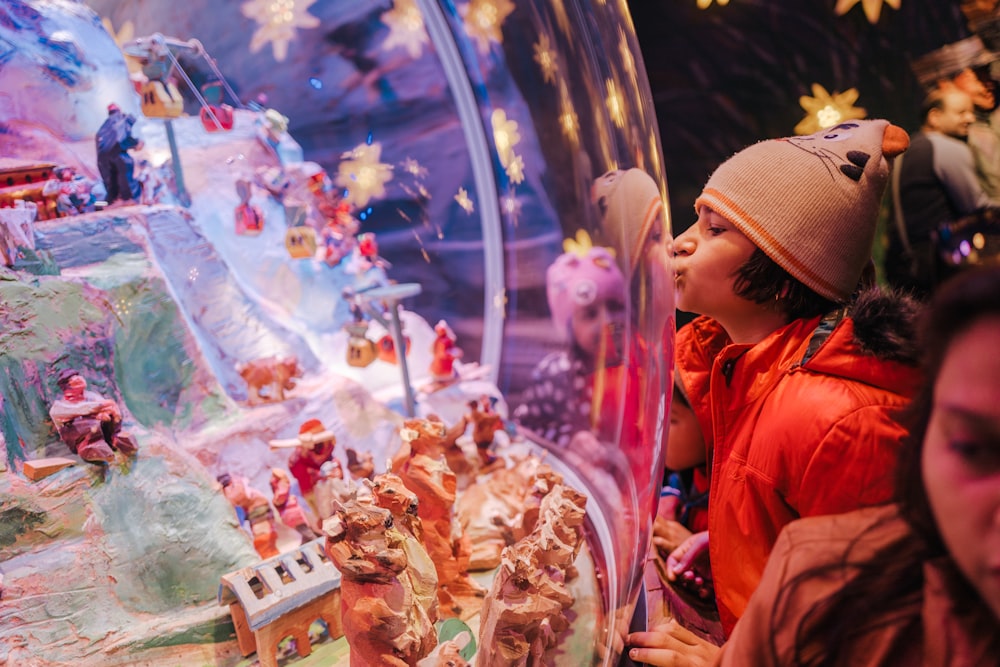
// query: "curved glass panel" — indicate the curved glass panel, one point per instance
point(491, 163)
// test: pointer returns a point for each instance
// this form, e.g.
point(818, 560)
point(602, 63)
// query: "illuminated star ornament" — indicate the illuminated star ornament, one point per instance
point(873, 8)
point(824, 110)
point(414, 168)
point(463, 200)
point(704, 4)
point(406, 28)
point(568, 120)
point(615, 104)
point(484, 20)
point(279, 21)
point(546, 58)
point(363, 175)
point(505, 136)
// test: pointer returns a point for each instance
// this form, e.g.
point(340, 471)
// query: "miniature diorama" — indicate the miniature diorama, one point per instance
point(268, 356)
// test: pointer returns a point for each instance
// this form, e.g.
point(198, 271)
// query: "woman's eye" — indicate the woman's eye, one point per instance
point(981, 455)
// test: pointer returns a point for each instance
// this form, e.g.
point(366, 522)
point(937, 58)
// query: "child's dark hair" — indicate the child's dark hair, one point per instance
point(762, 280)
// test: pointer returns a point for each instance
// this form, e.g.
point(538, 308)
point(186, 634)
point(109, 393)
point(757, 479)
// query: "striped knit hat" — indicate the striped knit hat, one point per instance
point(811, 203)
point(629, 202)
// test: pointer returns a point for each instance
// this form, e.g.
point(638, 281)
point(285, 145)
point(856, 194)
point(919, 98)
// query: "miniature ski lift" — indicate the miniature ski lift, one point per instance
point(391, 295)
point(161, 99)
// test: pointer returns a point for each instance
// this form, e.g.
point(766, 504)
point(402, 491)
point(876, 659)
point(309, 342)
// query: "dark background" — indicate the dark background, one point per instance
point(727, 76)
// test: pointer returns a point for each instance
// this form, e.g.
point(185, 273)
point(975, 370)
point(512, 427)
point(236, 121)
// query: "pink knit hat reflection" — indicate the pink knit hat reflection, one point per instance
point(576, 279)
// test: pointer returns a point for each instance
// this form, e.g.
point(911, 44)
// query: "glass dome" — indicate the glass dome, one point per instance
point(498, 166)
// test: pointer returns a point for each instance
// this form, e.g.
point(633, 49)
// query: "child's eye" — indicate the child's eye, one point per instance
point(715, 231)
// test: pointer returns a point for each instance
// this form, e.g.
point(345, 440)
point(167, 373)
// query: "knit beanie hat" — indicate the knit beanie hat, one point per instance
point(580, 279)
point(811, 202)
point(629, 202)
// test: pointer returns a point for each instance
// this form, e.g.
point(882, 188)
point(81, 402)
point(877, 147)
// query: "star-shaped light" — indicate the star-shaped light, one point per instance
point(463, 200)
point(568, 120)
point(824, 110)
point(406, 28)
point(484, 21)
point(511, 206)
point(505, 136)
point(124, 35)
point(704, 4)
point(279, 21)
point(562, 18)
point(515, 170)
point(414, 168)
point(500, 302)
point(363, 175)
point(615, 104)
point(873, 8)
point(546, 58)
point(625, 51)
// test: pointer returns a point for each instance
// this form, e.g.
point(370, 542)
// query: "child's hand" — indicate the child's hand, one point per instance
point(671, 644)
point(668, 535)
point(688, 566)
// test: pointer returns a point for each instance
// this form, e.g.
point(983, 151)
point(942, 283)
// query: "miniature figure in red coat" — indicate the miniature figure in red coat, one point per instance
point(249, 218)
point(316, 446)
point(445, 352)
point(291, 513)
point(89, 423)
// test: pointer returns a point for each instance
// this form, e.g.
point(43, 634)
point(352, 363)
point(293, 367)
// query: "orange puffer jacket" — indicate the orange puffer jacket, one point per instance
point(802, 423)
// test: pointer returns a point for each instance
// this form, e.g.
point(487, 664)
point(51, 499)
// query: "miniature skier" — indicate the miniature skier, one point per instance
point(114, 140)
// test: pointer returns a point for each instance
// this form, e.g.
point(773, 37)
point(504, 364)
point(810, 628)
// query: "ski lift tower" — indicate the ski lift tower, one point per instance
point(157, 56)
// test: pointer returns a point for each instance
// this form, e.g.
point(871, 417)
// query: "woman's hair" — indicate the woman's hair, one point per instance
point(893, 576)
point(762, 280)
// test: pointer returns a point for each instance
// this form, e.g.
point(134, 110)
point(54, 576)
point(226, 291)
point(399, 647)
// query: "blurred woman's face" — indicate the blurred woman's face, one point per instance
point(961, 458)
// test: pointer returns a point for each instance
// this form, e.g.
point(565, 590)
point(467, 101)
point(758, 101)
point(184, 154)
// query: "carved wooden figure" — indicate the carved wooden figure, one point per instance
point(436, 488)
point(381, 611)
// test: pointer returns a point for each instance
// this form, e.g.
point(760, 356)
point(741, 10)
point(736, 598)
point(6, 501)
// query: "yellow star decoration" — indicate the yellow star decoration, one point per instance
point(824, 110)
point(406, 28)
point(568, 120)
point(500, 302)
point(873, 8)
point(562, 18)
point(124, 35)
point(704, 4)
point(279, 20)
point(515, 170)
point(628, 60)
point(505, 135)
point(483, 21)
point(546, 58)
point(615, 104)
point(463, 200)
point(363, 175)
point(414, 168)
point(511, 206)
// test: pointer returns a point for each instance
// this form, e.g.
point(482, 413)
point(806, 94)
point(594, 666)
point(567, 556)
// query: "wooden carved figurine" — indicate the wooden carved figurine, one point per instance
point(426, 473)
point(383, 618)
point(275, 375)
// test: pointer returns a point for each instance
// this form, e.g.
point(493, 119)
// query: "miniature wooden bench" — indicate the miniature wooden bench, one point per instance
point(281, 597)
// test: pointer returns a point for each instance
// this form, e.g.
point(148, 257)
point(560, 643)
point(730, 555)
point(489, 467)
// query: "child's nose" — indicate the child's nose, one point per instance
point(684, 244)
